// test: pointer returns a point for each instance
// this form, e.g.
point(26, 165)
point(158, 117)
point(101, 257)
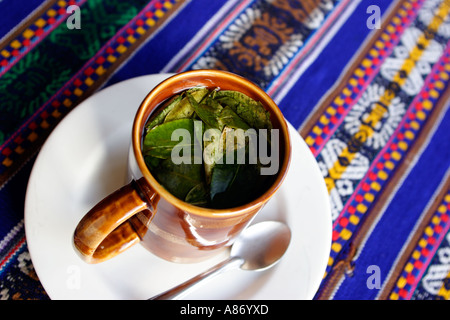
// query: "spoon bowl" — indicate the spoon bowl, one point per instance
point(258, 248)
point(262, 245)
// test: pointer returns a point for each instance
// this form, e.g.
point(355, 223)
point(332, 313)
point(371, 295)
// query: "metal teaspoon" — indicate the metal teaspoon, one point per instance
point(258, 248)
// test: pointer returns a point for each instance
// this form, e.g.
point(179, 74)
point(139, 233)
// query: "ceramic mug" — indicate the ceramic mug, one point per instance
point(144, 212)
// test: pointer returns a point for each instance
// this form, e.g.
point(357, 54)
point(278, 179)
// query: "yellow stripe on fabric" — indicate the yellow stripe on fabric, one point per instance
point(444, 292)
point(366, 130)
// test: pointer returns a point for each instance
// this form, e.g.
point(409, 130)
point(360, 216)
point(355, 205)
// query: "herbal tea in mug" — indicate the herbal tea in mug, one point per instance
point(212, 148)
point(202, 163)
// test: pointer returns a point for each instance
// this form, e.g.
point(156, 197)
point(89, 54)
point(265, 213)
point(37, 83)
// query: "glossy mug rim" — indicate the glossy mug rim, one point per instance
point(143, 114)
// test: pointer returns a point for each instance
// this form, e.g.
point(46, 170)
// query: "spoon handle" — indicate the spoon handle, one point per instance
point(183, 289)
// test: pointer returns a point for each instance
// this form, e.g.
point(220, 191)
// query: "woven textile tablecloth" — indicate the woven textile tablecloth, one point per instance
point(364, 82)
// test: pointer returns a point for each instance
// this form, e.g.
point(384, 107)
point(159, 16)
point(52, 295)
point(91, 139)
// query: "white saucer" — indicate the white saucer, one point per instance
point(84, 159)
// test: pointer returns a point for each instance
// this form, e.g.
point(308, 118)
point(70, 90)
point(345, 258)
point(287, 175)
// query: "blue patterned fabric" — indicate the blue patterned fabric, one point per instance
point(371, 104)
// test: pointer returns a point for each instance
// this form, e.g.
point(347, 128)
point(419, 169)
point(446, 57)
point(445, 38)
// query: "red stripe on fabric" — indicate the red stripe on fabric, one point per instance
point(429, 257)
point(11, 252)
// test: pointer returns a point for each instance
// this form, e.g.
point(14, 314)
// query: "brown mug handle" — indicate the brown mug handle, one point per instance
point(106, 230)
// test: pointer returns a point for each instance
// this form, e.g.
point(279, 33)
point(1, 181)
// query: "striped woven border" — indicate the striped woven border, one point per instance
point(14, 48)
point(391, 155)
point(317, 136)
point(332, 111)
point(425, 248)
point(30, 136)
point(13, 242)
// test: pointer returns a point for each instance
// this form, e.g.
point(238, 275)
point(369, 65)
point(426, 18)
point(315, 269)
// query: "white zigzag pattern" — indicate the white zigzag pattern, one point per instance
point(14, 231)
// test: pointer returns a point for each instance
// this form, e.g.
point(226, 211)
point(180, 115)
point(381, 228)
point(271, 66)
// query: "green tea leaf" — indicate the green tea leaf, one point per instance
point(226, 99)
point(158, 141)
point(184, 108)
point(255, 115)
point(222, 178)
point(179, 179)
point(159, 118)
point(217, 143)
point(233, 184)
point(152, 162)
point(225, 172)
point(211, 151)
point(236, 96)
point(251, 111)
point(208, 112)
point(230, 119)
point(198, 195)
